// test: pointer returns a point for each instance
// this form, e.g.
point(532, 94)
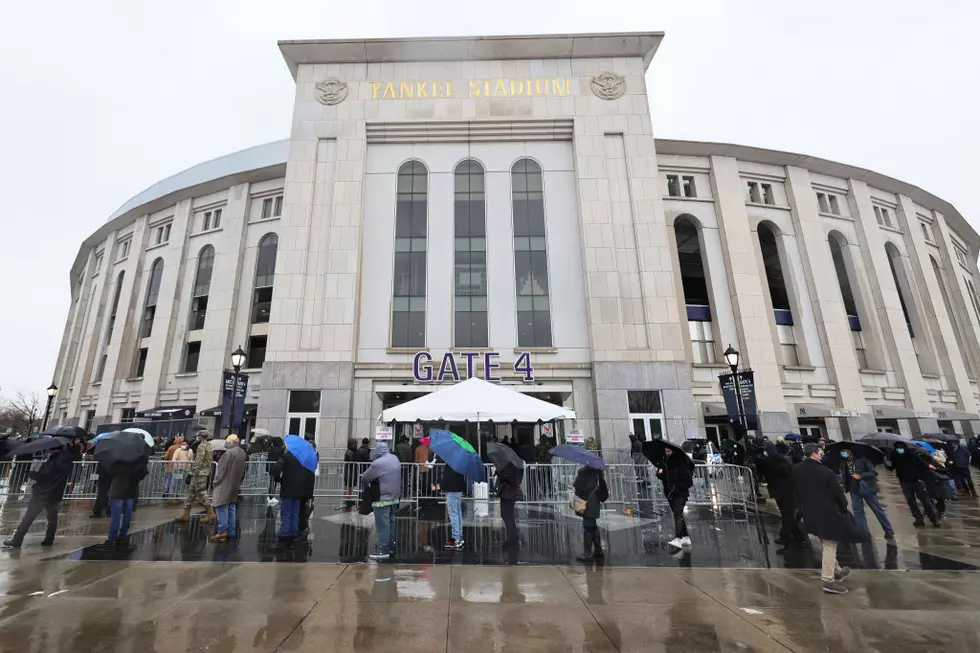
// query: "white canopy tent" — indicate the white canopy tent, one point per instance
point(476, 400)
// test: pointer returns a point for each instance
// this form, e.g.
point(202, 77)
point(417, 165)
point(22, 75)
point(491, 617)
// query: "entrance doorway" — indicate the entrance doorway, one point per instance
point(716, 433)
point(887, 426)
point(303, 417)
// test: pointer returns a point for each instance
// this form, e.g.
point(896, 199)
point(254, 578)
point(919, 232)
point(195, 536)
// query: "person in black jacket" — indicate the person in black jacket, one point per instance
point(454, 484)
point(825, 513)
point(277, 447)
point(778, 472)
point(294, 484)
point(590, 485)
point(122, 497)
point(509, 491)
point(49, 488)
point(675, 474)
point(860, 479)
point(352, 472)
point(912, 470)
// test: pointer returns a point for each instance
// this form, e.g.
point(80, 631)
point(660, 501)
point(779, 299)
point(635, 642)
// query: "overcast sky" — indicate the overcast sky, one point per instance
point(100, 99)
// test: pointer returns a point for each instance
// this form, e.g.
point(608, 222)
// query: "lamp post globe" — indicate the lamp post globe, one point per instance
point(731, 357)
point(52, 391)
point(238, 359)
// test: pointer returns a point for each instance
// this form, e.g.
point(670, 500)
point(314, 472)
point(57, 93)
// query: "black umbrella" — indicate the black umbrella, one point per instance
point(501, 455)
point(67, 431)
point(941, 437)
point(42, 443)
point(884, 440)
point(858, 449)
point(120, 451)
point(656, 452)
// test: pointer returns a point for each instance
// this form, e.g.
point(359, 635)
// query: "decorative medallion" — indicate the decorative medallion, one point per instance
point(331, 91)
point(608, 86)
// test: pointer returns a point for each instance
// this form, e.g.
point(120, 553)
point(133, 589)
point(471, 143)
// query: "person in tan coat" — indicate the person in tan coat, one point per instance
point(227, 483)
point(169, 456)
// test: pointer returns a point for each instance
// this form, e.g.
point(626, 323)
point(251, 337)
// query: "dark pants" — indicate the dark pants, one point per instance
point(305, 510)
point(963, 478)
point(288, 517)
point(677, 503)
point(917, 490)
point(34, 508)
point(790, 530)
point(102, 498)
point(508, 512)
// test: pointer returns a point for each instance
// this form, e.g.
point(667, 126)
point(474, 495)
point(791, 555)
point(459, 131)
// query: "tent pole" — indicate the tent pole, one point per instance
point(479, 440)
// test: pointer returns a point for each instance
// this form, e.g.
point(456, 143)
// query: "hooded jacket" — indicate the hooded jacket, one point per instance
point(52, 477)
point(386, 469)
point(908, 466)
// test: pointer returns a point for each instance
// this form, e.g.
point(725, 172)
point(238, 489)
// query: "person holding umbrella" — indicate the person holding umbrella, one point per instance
point(49, 486)
point(295, 471)
point(590, 493)
point(508, 475)
point(462, 462)
point(125, 455)
point(197, 489)
point(912, 470)
point(777, 469)
point(856, 462)
point(674, 469)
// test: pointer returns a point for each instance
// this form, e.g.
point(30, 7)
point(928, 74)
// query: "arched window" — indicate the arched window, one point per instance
point(974, 299)
point(202, 287)
point(150, 303)
point(694, 281)
point(901, 283)
point(110, 324)
point(470, 270)
point(776, 281)
point(967, 354)
point(265, 276)
point(837, 253)
point(530, 256)
point(408, 292)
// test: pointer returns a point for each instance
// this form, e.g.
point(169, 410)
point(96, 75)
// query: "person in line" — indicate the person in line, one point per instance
point(122, 495)
point(778, 472)
point(911, 471)
point(675, 474)
point(49, 489)
point(454, 484)
point(938, 482)
point(294, 482)
point(386, 470)
point(170, 469)
point(101, 505)
point(364, 451)
point(197, 490)
point(860, 480)
point(403, 451)
point(825, 514)
point(960, 470)
point(543, 457)
point(352, 472)
point(590, 485)
point(509, 493)
point(227, 483)
point(277, 447)
point(182, 463)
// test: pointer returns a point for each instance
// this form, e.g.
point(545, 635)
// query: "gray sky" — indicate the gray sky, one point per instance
point(101, 99)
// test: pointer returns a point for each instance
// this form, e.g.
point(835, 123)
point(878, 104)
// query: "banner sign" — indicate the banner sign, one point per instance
point(425, 371)
point(746, 383)
point(574, 436)
point(383, 433)
point(424, 89)
point(229, 391)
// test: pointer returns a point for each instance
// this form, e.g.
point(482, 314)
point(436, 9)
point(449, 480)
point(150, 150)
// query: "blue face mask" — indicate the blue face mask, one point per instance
point(899, 450)
point(844, 454)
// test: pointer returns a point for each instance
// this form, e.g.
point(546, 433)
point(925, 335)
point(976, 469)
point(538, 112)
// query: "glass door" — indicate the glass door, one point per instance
point(647, 426)
point(305, 425)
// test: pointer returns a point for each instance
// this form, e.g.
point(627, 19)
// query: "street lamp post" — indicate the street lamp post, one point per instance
point(237, 361)
point(52, 391)
point(731, 357)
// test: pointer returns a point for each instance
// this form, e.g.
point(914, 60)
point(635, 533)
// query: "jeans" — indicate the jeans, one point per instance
point(288, 517)
point(34, 508)
point(963, 478)
point(829, 567)
point(227, 518)
point(677, 503)
point(863, 495)
point(454, 506)
point(508, 512)
point(120, 510)
point(917, 490)
point(384, 521)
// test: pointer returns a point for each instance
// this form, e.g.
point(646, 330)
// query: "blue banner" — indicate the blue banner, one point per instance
point(231, 391)
point(746, 385)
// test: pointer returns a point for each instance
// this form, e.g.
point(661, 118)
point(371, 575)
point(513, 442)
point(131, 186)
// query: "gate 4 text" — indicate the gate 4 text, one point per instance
point(425, 372)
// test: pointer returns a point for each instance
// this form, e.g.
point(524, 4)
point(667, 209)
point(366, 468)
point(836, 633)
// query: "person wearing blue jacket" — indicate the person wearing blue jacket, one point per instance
point(386, 470)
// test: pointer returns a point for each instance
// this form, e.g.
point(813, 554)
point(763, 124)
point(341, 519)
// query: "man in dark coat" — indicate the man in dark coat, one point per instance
point(675, 473)
point(778, 472)
point(509, 491)
point(912, 470)
point(352, 473)
point(590, 485)
point(294, 485)
point(122, 496)
point(960, 469)
point(49, 488)
point(825, 513)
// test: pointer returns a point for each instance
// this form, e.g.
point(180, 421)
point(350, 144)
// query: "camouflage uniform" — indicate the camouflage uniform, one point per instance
point(197, 491)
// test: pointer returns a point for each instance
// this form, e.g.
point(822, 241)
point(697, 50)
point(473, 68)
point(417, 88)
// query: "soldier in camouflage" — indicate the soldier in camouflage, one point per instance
point(197, 489)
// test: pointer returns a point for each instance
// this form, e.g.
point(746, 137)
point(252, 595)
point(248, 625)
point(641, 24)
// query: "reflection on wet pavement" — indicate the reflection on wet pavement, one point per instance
point(174, 591)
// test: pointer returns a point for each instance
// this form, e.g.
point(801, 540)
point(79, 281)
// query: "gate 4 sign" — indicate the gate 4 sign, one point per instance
point(426, 372)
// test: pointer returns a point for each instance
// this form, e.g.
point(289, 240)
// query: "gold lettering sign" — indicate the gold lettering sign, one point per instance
point(415, 89)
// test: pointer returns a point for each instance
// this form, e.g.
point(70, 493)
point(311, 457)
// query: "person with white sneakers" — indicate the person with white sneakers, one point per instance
point(675, 473)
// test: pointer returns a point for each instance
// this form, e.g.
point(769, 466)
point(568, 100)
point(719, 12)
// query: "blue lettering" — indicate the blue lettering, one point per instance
point(470, 368)
point(418, 366)
point(448, 365)
point(523, 366)
point(488, 367)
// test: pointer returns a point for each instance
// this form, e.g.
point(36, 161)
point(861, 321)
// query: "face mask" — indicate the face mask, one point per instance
point(184, 447)
point(844, 454)
point(900, 450)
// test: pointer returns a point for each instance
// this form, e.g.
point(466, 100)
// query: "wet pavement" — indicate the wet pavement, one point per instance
point(733, 592)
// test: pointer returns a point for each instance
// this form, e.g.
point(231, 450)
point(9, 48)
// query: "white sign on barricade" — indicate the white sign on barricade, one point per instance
point(574, 436)
point(382, 433)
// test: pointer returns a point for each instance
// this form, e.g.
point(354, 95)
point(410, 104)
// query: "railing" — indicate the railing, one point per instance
point(631, 486)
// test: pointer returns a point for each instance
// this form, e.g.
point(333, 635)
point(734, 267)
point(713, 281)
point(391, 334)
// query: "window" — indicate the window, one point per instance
point(843, 281)
point(272, 207)
point(202, 288)
point(927, 231)
point(689, 190)
point(828, 203)
point(754, 195)
point(961, 256)
point(822, 203)
point(97, 264)
point(256, 352)
point(139, 365)
point(100, 370)
point(898, 276)
point(211, 220)
point(470, 303)
point(969, 359)
point(646, 414)
point(860, 350)
point(778, 295)
point(191, 356)
point(150, 305)
point(162, 234)
point(127, 415)
point(124, 248)
point(834, 204)
point(767, 195)
point(882, 216)
point(111, 321)
point(673, 186)
point(304, 413)
point(408, 293)
point(787, 345)
point(695, 289)
point(530, 256)
point(678, 186)
point(702, 341)
point(304, 401)
point(89, 420)
point(265, 273)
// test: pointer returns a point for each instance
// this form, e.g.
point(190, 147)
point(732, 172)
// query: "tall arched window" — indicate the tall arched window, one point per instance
point(470, 271)
point(150, 303)
point(202, 287)
point(530, 256)
point(837, 253)
point(408, 292)
point(967, 354)
point(110, 324)
point(265, 276)
point(778, 295)
point(694, 282)
point(901, 283)
point(974, 299)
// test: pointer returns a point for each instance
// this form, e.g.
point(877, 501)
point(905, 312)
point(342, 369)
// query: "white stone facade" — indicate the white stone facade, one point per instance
point(611, 200)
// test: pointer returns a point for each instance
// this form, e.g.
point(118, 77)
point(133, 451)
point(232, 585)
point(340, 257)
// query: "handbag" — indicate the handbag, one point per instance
point(579, 505)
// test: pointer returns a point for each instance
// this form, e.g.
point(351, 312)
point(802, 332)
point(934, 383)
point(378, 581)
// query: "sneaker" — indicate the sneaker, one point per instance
point(677, 543)
point(889, 535)
point(918, 523)
point(9, 544)
point(459, 544)
point(108, 544)
point(842, 574)
point(833, 587)
point(686, 542)
point(272, 501)
point(379, 556)
point(450, 543)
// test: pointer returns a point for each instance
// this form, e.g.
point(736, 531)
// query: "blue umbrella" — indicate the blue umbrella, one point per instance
point(925, 445)
point(793, 436)
point(457, 453)
point(579, 455)
point(303, 451)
